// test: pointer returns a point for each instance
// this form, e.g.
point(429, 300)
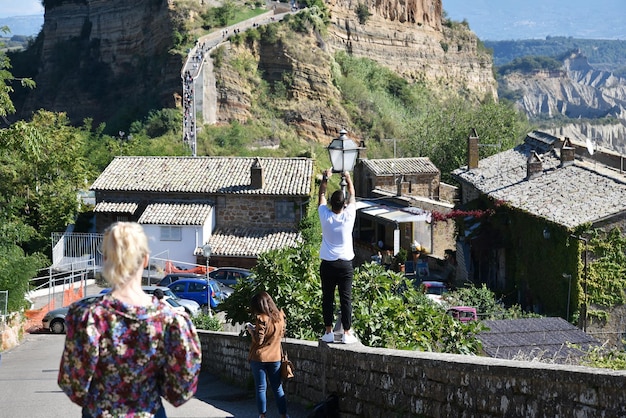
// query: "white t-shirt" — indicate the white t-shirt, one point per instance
point(337, 233)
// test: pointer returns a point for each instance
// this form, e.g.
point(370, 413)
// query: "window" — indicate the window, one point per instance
point(285, 211)
point(171, 233)
point(197, 287)
point(178, 287)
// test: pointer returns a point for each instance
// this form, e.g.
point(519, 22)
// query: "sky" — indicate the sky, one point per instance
point(20, 7)
point(492, 19)
point(535, 19)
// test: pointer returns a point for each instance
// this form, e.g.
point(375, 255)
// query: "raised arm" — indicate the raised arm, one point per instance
point(321, 198)
point(351, 195)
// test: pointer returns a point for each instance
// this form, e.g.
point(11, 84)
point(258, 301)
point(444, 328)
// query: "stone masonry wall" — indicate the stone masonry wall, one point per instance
point(374, 382)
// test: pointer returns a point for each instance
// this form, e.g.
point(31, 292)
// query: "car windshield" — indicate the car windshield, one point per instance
point(171, 294)
point(173, 302)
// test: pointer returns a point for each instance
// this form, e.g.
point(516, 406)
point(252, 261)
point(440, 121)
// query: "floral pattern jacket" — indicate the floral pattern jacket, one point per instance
point(120, 359)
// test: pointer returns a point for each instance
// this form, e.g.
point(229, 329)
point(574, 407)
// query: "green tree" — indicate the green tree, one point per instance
point(362, 13)
point(6, 79)
point(41, 171)
point(387, 310)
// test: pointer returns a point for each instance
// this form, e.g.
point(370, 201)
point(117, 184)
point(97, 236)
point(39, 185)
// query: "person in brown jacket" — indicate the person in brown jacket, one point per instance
point(265, 354)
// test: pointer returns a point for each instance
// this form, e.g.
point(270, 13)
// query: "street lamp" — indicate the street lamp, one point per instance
point(206, 250)
point(343, 153)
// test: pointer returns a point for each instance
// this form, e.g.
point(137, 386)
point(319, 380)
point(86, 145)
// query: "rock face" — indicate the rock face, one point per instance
point(100, 57)
point(578, 92)
point(408, 38)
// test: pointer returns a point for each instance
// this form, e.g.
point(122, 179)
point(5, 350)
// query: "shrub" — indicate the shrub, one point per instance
point(207, 322)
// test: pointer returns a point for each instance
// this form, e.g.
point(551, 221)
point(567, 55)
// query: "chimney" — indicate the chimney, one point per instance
point(472, 150)
point(533, 166)
point(257, 180)
point(568, 153)
point(362, 151)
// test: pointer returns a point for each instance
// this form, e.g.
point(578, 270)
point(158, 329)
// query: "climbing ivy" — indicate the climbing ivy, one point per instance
point(607, 269)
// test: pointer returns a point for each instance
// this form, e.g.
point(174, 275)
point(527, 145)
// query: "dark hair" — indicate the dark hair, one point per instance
point(262, 303)
point(158, 293)
point(337, 200)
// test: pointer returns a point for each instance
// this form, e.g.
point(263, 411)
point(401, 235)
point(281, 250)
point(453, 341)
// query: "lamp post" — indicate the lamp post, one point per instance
point(343, 153)
point(206, 250)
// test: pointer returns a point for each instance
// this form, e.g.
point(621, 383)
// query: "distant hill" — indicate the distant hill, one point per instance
point(607, 55)
point(23, 25)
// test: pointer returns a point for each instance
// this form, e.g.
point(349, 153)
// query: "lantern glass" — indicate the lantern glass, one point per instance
point(343, 153)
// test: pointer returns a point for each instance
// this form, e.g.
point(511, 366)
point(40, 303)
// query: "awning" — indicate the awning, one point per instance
point(393, 214)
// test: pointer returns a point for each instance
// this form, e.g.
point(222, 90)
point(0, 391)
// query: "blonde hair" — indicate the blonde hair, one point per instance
point(124, 247)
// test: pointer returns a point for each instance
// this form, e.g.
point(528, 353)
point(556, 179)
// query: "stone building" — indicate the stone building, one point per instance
point(240, 206)
point(396, 200)
point(527, 213)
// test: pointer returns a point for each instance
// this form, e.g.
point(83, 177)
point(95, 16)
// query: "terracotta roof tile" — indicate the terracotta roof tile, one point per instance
point(250, 242)
point(214, 175)
point(117, 207)
point(176, 214)
point(527, 338)
point(569, 196)
point(390, 166)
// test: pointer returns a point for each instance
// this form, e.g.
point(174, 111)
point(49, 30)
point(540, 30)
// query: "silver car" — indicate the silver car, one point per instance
point(191, 306)
point(54, 320)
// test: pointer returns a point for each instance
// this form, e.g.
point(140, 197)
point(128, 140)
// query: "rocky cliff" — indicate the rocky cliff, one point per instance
point(595, 100)
point(101, 58)
point(407, 37)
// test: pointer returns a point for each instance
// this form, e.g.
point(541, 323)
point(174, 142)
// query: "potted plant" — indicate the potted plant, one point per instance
point(401, 259)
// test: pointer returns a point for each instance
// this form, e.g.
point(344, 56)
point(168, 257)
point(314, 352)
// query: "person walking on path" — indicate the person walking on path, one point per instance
point(265, 351)
point(337, 253)
point(126, 350)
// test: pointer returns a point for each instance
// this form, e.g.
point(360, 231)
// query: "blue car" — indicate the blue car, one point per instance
point(206, 293)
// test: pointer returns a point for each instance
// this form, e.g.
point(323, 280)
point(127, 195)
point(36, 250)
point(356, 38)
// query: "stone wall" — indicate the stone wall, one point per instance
point(374, 382)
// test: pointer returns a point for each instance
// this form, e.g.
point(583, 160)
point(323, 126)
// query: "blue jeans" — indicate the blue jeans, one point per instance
point(261, 371)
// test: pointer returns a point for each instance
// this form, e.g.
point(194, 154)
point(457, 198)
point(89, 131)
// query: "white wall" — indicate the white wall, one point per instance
point(175, 250)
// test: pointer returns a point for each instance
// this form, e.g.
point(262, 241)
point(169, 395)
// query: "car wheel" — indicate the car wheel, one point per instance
point(57, 326)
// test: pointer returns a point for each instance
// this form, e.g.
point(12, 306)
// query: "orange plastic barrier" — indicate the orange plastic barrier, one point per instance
point(171, 268)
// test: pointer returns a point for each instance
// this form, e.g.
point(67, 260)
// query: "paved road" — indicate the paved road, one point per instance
point(28, 388)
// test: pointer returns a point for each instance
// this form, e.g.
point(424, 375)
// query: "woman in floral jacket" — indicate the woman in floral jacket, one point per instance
point(127, 350)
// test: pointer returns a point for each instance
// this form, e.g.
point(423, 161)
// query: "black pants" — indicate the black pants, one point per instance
point(337, 274)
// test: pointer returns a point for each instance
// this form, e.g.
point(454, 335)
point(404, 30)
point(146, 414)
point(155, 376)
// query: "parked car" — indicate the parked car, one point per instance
point(189, 306)
point(463, 313)
point(54, 320)
point(172, 277)
point(229, 276)
point(205, 292)
point(434, 290)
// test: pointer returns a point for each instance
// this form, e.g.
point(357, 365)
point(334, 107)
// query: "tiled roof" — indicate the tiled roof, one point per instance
point(530, 338)
point(570, 196)
point(117, 207)
point(250, 242)
point(390, 166)
point(215, 175)
point(175, 214)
